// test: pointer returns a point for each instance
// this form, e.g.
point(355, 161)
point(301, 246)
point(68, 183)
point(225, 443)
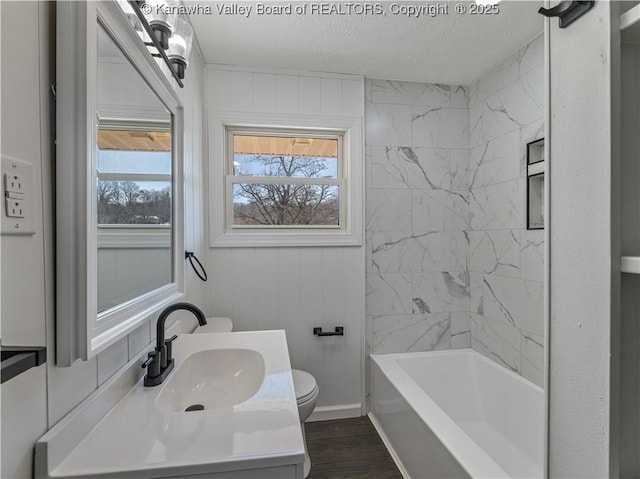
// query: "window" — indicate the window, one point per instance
point(281, 179)
point(134, 175)
point(284, 180)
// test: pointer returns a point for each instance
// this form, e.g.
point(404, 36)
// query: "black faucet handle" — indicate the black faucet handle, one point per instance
point(152, 364)
point(168, 347)
point(151, 356)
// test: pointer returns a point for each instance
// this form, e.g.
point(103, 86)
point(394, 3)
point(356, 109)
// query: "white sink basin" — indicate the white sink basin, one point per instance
point(213, 378)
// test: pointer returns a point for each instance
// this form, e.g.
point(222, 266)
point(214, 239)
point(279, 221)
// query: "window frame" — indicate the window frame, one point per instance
point(222, 125)
point(231, 179)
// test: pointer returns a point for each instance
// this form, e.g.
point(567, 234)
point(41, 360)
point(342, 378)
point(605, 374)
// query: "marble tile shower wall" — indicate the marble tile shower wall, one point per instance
point(450, 263)
point(506, 110)
point(417, 138)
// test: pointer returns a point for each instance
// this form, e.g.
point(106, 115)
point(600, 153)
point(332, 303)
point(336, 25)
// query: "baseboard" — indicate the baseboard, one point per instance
point(328, 413)
point(388, 445)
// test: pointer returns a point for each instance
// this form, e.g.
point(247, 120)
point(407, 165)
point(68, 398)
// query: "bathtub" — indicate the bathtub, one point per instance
point(456, 414)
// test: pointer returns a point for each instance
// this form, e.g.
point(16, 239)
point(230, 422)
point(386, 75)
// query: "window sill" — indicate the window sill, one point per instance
point(284, 239)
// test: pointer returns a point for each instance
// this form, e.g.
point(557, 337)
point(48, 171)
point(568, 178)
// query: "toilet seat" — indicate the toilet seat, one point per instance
point(305, 386)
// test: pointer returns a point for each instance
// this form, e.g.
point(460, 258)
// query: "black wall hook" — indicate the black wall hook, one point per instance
point(199, 271)
point(567, 11)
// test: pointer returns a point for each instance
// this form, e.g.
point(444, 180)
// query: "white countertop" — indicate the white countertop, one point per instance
point(139, 439)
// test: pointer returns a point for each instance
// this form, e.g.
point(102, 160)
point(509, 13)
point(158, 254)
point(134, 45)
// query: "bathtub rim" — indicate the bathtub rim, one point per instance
point(475, 461)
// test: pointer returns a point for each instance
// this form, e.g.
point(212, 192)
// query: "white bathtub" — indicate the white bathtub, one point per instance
point(455, 414)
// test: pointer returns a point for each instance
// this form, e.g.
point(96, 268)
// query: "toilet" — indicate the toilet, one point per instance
point(306, 396)
point(304, 383)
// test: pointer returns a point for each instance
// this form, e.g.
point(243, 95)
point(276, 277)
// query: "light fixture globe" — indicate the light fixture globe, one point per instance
point(180, 46)
point(162, 15)
point(133, 20)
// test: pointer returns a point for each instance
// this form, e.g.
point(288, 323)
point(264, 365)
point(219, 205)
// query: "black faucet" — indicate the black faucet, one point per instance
point(159, 362)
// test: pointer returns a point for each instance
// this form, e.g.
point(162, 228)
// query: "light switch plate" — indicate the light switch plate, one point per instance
point(17, 191)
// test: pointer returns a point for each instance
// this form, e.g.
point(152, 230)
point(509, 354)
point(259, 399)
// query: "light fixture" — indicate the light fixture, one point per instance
point(159, 28)
point(133, 20)
point(180, 46)
point(162, 15)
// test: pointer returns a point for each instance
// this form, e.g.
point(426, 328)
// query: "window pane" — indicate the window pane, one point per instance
point(285, 204)
point(153, 162)
point(285, 156)
point(134, 202)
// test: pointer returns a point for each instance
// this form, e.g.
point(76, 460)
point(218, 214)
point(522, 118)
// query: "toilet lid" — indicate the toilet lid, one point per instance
point(216, 325)
point(304, 384)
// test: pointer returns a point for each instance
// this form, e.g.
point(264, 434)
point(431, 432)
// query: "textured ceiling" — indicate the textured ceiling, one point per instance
point(447, 48)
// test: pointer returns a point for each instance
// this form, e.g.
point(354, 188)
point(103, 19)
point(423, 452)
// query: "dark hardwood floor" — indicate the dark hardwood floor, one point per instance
point(348, 449)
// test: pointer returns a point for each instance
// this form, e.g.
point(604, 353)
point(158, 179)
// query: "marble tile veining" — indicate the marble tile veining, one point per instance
point(498, 341)
point(497, 206)
point(476, 293)
point(440, 292)
point(498, 78)
point(408, 333)
point(407, 251)
point(460, 330)
point(517, 105)
point(533, 358)
point(496, 161)
point(516, 302)
point(406, 167)
point(495, 252)
point(532, 255)
point(410, 93)
point(459, 96)
point(389, 293)
point(532, 54)
point(440, 210)
point(476, 125)
point(460, 169)
point(437, 127)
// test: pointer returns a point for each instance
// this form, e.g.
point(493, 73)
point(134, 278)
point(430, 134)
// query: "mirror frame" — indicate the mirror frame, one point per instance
point(81, 332)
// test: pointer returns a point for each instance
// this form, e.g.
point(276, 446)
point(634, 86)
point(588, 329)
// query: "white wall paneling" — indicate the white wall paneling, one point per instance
point(293, 287)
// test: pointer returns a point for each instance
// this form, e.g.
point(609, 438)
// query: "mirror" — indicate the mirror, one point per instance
point(119, 128)
point(134, 172)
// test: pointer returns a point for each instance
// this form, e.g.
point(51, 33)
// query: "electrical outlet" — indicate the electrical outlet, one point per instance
point(18, 192)
point(14, 183)
point(15, 208)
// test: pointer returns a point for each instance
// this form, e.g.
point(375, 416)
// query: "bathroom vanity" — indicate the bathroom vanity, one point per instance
point(245, 424)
